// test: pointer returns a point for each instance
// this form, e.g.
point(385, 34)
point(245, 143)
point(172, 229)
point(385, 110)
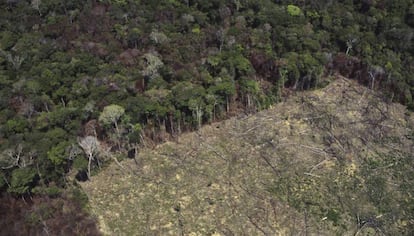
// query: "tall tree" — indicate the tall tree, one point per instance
point(111, 115)
point(90, 146)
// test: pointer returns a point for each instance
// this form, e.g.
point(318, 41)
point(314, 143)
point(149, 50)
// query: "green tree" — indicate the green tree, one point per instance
point(22, 180)
point(224, 86)
point(133, 36)
point(58, 154)
point(152, 64)
point(111, 115)
point(17, 125)
point(293, 10)
point(249, 90)
point(196, 105)
point(190, 98)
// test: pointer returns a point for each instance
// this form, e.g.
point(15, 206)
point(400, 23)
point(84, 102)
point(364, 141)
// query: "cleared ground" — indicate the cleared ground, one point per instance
point(336, 161)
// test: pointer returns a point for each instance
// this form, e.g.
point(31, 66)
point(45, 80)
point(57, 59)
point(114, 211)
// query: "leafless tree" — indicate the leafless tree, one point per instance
point(14, 157)
point(349, 45)
point(15, 60)
point(221, 37)
point(374, 72)
point(90, 146)
point(36, 5)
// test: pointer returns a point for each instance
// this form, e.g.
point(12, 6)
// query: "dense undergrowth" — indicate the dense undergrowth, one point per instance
point(84, 82)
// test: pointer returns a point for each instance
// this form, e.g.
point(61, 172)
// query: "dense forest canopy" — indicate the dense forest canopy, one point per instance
point(82, 82)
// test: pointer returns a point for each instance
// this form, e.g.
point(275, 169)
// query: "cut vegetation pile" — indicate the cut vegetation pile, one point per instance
point(334, 161)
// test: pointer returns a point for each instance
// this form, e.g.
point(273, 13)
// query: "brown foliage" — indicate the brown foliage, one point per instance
point(129, 57)
point(351, 67)
point(140, 85)
point(99, 9)
point(91, 128)
point(16, 103)
point(96, 23)
point(165, 16)
point(355, 68)
point(42, 215)
point(264, 66)
point(96, 49)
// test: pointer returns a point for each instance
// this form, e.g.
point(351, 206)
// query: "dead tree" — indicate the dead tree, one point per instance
point(90, 146)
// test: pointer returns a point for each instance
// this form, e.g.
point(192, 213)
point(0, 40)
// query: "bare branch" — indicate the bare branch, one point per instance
point(90, 146)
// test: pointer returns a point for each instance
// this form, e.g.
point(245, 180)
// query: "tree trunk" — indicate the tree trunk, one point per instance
point(118, 136)
point(170, 117)
point(214, 111)
point(179, 126)
point(372, 80)
point(89, 165)
point(227, 104)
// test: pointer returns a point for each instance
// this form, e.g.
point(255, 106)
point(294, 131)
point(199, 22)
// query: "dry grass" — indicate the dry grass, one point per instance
point(279, 172)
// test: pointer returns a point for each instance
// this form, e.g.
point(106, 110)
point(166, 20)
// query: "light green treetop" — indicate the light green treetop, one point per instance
point(293, 10)
point(111, 114)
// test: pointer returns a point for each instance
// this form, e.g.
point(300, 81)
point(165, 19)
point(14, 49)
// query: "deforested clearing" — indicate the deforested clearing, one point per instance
point(334, 161)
